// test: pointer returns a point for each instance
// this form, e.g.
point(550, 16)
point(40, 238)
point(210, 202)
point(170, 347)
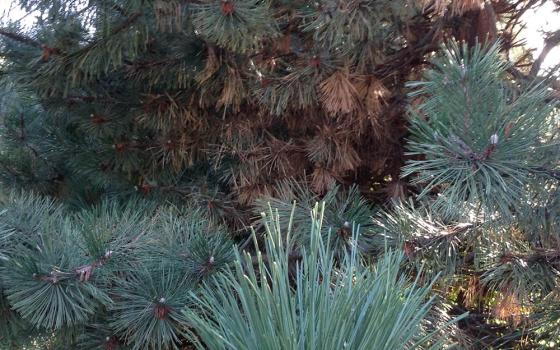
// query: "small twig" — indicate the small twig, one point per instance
point(552, 173)
point(538, 254)
point(21, 127)
point(20, 38)
point(128, 22)
point(549, 43)
point(412, 246)
point(84, 272)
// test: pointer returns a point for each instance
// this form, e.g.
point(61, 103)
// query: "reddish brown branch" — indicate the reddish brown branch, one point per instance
point(413, 246)
point(83, 273)
point(550, 43)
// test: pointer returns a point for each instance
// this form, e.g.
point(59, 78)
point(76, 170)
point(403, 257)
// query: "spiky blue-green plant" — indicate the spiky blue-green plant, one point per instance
point(271, 301)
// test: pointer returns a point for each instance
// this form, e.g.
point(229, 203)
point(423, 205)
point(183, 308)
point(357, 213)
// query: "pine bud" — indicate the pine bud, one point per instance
point(98, 119)
point(463, 71)
point(227, 7)
point(119, 147)
point(507, 129)
point(211, 259)
point(315, 61)
point(169, 145)
point(494, 139)
point(435, 135)
point(162, 300)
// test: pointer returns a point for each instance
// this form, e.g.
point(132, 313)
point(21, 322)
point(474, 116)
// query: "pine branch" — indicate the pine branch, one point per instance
point(551, 256)
point(552, 173)
point(119, 9)
point(413, 53)
point(139, 65)
point(124, 25)
point(489, 162)
point(551, 41)
point(127, 23)
point(21, 38)
point(425, 242)
point(84, 272)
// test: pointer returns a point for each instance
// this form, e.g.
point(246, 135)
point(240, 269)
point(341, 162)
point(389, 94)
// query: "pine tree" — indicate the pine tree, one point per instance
point(218, 99)
point(161, 162)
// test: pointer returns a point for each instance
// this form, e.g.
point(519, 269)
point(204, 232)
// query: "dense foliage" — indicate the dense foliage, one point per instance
point(375, 309)
point(104, 272)
point(161, 162)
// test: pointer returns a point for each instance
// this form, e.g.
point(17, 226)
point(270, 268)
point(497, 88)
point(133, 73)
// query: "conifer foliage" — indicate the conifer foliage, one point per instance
point(160, 96)
point(481, 144)
point(162, 161)
point(110, 265)
point(264, 302)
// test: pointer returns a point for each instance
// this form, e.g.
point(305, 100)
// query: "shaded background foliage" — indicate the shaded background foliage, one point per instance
point(147, 96)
